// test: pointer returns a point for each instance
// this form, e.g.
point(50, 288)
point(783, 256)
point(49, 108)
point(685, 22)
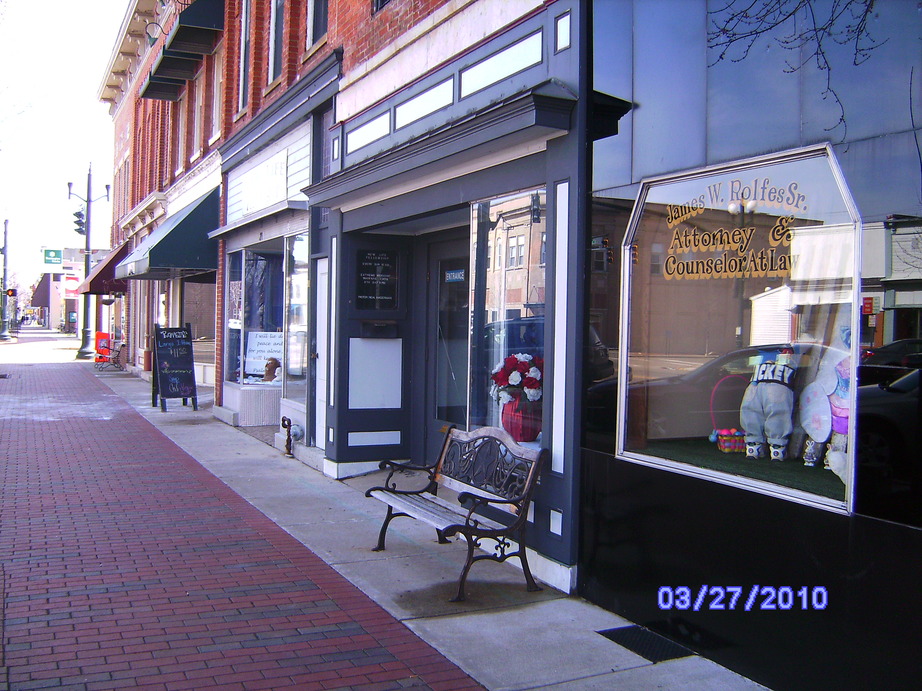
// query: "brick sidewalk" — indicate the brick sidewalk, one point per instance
point(124, 563)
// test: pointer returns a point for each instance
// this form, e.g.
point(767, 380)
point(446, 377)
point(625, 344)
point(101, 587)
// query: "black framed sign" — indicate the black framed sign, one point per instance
point(376, 280)
point(174, 373)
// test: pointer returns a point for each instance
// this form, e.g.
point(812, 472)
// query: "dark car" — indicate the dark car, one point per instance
point(526, 335)
point(709, 397)
point(888, 421)
point(889, 469)
point(904, 352)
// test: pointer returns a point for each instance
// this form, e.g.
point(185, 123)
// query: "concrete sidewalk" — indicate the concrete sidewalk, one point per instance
point(503, 636)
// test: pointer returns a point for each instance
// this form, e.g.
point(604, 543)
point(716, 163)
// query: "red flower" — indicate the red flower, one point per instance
point(502, 377)
point(531, 383)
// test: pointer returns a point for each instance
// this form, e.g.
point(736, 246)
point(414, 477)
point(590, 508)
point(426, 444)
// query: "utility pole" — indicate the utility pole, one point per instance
point(5, 326)
point(87, 350)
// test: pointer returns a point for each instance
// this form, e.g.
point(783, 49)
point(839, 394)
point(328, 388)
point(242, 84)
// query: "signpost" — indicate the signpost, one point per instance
point(174, 373)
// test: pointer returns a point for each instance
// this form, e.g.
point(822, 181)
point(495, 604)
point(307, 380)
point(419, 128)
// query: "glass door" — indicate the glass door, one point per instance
point(447, 340)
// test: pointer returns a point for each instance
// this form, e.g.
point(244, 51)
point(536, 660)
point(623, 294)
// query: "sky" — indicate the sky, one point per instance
point(53, 59)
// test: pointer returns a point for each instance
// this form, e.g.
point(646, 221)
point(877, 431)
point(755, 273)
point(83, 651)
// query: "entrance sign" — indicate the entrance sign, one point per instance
point(376, 280)
point(53, 257)
point(174, 373)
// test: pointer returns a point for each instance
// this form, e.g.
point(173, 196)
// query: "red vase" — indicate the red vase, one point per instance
point(522, 422)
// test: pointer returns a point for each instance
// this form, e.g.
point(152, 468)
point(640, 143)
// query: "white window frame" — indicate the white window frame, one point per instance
point(243, 90)
point(276, 36)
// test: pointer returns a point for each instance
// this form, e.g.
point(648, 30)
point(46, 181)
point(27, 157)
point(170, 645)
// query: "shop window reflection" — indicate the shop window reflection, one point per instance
point(297, 345)
point(255, 304)
point(508, 313)
point(740, 326)
point(889, 425)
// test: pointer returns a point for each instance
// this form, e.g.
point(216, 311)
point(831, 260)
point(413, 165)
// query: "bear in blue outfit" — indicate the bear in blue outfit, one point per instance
point(766, 413)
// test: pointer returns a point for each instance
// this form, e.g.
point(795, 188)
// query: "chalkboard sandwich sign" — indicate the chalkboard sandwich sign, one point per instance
point(174, 373)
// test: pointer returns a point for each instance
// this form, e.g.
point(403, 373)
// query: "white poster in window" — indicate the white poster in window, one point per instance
point(261, 347)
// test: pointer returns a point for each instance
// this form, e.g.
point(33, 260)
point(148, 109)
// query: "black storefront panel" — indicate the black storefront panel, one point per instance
point(836, 596)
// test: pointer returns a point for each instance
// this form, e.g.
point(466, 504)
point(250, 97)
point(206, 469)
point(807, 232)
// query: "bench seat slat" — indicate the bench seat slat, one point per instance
point(431, 509)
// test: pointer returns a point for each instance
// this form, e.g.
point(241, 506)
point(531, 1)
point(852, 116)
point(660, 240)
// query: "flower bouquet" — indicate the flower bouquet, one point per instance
point(517, 387)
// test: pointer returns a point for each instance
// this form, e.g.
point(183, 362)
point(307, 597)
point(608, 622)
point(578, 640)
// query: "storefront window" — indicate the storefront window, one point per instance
point(255, 308)
point(508, 312)
point(297, 346)
point(234, 316)
point(738, 328)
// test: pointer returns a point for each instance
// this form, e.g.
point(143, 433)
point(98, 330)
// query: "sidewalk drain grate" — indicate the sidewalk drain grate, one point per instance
point(645, 643)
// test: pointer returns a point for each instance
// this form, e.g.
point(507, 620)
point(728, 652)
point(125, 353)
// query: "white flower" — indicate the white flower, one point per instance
point(523, 357)
point(515, 378)
point(534, 373)
point(499, 366)
point(505, 398)
point(533, 394)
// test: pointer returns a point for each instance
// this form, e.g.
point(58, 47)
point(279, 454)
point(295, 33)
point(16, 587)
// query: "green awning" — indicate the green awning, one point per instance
point(179, 247)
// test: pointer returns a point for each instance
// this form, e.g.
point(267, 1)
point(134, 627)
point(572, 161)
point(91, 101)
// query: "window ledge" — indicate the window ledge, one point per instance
point(314, 48)
point(272, 86)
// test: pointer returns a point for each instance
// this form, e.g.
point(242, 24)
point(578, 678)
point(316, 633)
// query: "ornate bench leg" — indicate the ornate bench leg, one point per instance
point(387, 521)
point(471, 544)
point(442, 539)
point(529, 579)
point(531, 586)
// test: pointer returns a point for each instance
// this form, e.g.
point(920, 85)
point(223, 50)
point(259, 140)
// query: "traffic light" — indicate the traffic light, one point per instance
point(609, 251)
point(11, 292)
point(80, 222)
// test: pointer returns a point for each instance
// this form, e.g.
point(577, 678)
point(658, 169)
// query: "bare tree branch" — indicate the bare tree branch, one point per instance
point(796, 26)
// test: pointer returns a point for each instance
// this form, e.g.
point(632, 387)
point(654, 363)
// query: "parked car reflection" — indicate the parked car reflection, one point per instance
point(526, 335)
point(709, 397)
point(889, 482)
point(695, 403)
point(906, 351)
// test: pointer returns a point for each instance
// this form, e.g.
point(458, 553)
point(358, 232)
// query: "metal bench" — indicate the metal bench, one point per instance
point(490, 471)
point(107, 356)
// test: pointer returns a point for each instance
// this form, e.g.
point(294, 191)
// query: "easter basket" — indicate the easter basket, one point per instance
point(728, 440)
point(731, 440)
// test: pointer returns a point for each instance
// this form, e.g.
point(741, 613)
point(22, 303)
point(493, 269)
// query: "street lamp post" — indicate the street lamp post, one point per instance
point(86, 350)
point(5, 326)
point(743, 210)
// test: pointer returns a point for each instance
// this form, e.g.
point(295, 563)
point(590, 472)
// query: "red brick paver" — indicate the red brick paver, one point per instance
point(124, 563)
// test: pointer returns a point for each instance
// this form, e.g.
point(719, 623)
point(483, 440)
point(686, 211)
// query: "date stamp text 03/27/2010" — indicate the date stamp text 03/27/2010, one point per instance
point(736, 597)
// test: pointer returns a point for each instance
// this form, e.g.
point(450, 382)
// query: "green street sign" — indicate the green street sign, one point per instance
point(53, 257)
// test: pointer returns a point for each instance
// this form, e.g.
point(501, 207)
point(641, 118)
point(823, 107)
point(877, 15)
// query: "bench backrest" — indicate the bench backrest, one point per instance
point(489, 462)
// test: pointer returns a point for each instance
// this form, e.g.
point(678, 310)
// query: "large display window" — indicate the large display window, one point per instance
point(740, 294)
point(255, 309)
point(508, 314)
point(297, 345)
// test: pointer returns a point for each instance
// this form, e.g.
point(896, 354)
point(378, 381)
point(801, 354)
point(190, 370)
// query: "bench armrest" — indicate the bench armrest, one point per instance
point(391, 487)
point(464, 496)
point(395, 465)
point(479, 501)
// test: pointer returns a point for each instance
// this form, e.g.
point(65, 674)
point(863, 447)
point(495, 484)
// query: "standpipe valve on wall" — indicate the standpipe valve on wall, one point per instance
point(295, 432)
